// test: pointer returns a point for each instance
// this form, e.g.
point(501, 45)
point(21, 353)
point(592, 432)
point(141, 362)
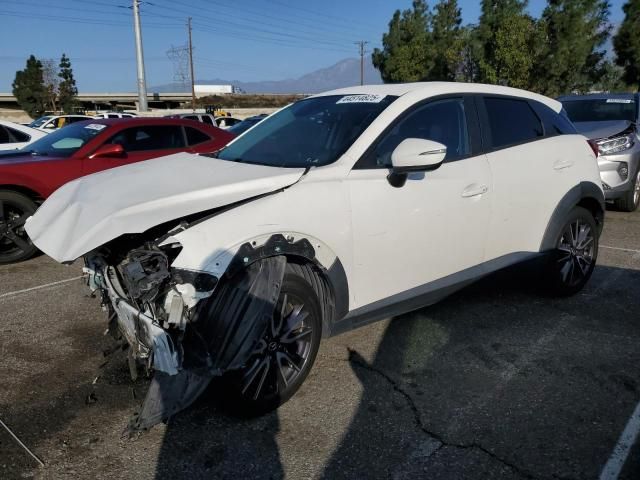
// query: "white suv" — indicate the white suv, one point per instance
point(339, 210)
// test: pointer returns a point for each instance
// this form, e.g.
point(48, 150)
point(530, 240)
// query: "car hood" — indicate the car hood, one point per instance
point(596, 130)
point(95, 209)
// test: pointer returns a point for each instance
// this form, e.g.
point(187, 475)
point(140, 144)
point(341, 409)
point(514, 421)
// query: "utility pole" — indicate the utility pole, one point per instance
point(361, 45)
point(193, 81)
point(142, 83)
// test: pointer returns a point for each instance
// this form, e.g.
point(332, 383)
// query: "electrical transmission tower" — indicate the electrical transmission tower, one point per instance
point(179, 56)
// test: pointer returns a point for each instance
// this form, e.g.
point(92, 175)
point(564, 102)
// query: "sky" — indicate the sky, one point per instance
point(247, 40)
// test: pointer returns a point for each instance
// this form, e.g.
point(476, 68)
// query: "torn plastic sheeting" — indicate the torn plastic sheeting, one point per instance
point(222, 337)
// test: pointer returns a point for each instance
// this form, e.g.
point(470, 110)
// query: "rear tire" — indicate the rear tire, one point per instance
point(631, 199)
point(284, 357)
point(15, 245)
point(571, 264)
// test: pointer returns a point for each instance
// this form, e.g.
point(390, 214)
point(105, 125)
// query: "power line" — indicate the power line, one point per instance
point(286, 36)
point(313, 28)
point(79, 20)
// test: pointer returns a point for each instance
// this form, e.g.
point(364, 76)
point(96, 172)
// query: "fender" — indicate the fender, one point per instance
point(583, 191)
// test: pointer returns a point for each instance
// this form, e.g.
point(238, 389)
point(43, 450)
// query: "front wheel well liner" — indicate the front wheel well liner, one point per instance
point(329, 283)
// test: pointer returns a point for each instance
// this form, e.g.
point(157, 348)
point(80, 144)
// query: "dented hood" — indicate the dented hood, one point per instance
point(95, 209)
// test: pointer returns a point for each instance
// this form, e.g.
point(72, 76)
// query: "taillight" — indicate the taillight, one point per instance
point(594, 147)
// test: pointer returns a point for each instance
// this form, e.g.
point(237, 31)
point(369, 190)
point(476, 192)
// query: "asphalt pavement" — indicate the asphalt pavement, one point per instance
point(497, 381)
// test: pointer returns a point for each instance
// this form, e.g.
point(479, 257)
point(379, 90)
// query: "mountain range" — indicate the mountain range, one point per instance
point(345, 73)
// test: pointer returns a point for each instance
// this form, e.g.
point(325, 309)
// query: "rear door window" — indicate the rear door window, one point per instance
point(195, 136)
point(511, 122)
point(155, 137)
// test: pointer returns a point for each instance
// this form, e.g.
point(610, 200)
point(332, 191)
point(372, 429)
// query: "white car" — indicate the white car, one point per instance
point(49, 123)
point(338, 210)
point(115, 115)
point(14, 136)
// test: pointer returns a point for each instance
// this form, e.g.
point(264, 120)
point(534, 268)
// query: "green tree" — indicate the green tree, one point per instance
point(574, 32)
point(506, 35)
point(67, 90)
point(447, 41)
point(626, 43)
point(610, 78)
point(406, 54)
point(29, 89)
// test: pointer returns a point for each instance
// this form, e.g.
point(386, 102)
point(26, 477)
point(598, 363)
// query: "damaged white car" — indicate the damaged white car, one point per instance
point(338, 210)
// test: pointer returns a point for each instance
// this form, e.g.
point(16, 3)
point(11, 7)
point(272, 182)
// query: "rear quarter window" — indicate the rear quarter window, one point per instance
point(554, 123)
point(511, 122)
point(195, 136)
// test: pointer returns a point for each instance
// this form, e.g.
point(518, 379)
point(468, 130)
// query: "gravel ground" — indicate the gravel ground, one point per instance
point(495, 382)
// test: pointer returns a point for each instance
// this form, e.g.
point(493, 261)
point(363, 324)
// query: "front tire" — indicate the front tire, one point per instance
point(15, 245)
point(284, 356)
point(572, 262)
point(631, 199)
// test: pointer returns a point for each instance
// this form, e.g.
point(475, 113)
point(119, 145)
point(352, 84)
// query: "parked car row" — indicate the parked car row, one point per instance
point(341, 209)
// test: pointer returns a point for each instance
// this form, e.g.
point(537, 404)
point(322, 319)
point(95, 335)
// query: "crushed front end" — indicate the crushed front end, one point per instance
point(175, 323)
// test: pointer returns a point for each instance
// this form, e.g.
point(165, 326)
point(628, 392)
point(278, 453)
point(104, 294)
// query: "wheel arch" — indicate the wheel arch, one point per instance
point(327, 277)
point(28, 192)
point(587, 195)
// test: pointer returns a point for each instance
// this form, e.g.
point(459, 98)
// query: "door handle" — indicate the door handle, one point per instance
point(474, 190)
point(560, 164)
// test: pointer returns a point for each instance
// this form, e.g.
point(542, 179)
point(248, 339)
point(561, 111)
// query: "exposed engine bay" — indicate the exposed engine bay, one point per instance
point(183, 327)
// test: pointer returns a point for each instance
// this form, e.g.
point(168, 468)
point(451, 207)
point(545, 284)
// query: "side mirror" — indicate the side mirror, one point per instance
point(112, 150)
point(415, 155)
point(50, 126)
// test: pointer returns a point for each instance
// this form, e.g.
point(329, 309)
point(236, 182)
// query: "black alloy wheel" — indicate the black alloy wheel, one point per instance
point(575, 256)
point(15, 244)
point(282, 359)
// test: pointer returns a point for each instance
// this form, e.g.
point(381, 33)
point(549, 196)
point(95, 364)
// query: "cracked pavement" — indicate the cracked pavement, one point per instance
point(495, 382)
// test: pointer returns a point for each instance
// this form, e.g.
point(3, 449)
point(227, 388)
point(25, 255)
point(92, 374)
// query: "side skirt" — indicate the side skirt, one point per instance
point(427, 294)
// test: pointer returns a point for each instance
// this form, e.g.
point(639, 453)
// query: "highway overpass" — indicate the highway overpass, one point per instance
point(111, 101)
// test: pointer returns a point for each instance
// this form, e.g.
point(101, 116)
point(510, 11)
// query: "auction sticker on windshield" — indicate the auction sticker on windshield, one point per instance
point(619, 100)
point(370, 98)
point(95, 126)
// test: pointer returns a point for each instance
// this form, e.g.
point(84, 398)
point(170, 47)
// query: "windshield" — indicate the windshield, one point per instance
point(601, 110)
point(244, 125)
point(39, 122)
point(66, 141)
point(309, 133)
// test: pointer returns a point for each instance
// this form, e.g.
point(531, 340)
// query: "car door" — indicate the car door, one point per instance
point(432, 227)
point(532, 171)
point(142, 142)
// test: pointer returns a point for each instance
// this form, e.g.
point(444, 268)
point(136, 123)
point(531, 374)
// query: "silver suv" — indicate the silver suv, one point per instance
point(611, 121)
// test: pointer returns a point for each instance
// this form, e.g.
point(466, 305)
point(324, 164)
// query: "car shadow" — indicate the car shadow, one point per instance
point(515, 385)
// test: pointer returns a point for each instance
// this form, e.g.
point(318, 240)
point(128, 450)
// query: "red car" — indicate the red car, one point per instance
point(30, 175)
